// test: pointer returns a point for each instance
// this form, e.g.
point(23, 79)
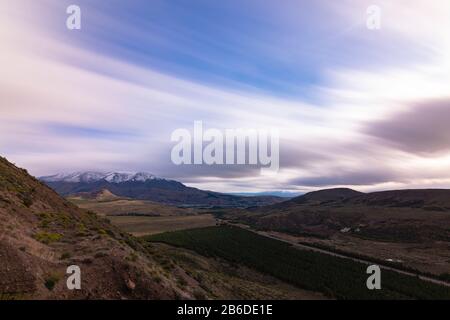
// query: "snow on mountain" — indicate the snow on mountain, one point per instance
point(92, 176)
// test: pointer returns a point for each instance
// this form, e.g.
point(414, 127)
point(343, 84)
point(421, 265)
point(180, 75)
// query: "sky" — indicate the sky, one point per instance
point(360, 108)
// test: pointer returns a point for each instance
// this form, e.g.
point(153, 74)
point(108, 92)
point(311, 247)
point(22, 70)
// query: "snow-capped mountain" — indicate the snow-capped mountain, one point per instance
point(92, 176)
point(146, 186)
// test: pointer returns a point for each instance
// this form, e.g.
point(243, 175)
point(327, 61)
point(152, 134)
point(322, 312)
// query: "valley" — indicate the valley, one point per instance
point(403, 230)
point(315, 246)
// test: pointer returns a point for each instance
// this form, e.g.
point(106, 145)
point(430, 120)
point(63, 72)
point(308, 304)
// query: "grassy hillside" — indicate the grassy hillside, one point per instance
point(335, 277)
point(41, 234)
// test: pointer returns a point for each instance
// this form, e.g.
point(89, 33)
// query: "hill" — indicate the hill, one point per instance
point(401, 215)
point(433, 199)
point(322, 196)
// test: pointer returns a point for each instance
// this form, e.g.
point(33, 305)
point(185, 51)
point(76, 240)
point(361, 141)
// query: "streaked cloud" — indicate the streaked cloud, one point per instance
point(354, 107)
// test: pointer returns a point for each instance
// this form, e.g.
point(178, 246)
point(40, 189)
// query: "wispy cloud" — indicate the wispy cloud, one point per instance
point(354, 107)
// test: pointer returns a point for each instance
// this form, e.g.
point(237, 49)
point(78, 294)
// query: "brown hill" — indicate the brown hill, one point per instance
point(100, 195)
point(328, 195)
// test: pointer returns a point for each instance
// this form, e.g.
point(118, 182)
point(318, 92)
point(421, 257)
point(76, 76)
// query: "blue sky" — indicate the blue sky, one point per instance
point(280, 48)
point(347, 99)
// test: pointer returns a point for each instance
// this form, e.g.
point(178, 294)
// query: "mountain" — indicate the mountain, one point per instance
point(145, 186)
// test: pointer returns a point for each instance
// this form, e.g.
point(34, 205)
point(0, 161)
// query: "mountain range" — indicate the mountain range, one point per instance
point(146, 186)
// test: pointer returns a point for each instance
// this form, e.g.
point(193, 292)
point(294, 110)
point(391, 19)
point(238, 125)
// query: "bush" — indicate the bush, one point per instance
point(65, 255)
point(199, 295)
point(27, 200)
point(51, 281)
point(47, 238)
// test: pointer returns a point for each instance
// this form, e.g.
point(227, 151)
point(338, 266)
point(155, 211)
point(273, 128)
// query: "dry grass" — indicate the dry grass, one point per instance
point(140, 226)
point(128, 207)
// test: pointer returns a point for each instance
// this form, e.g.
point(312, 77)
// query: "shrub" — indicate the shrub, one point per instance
point(47, 238)
point(199, 295)
point(65, 255)
point(51, 281)
point(157, 279)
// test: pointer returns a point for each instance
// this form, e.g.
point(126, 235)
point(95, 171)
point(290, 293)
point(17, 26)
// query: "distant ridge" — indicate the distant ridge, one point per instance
point(421, 215)
point(327, 195)
point(414, 198)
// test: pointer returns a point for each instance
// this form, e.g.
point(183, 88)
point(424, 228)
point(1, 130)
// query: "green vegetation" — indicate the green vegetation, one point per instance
point(47, 238)
point(445, 277)
point(51, 281)
point(396, 265)
point(335, 277)
point(65, 255)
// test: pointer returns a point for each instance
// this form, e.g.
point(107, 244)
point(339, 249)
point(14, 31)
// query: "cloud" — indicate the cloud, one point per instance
point(371, 176)
point(422, 129)
point(85, 102)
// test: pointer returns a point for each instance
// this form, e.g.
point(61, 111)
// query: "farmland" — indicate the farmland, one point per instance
point(142, 225)
point(335, 277)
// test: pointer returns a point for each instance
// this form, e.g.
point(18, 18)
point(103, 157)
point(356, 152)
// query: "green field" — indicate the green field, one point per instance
point(335, 277)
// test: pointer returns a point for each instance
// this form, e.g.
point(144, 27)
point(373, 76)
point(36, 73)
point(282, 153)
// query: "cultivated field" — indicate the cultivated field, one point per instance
point(129, 207)
point(333, 276)
point(140, 226)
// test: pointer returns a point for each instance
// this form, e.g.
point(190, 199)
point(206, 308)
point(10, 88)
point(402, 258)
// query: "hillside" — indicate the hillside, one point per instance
point(42, 234)
point(431, 199)
point(144, 186)
point(328, 195)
